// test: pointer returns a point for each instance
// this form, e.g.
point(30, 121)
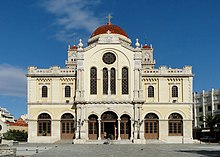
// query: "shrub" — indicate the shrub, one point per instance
point(16, 135)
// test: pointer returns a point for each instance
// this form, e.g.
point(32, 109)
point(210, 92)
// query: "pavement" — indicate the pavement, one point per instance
point(118, 150)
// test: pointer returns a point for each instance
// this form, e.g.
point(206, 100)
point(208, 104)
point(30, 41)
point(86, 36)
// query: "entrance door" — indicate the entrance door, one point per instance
point(125, 127)
point(151, 126)
point(109, 125)
point(67, 126)
point(108, 130)
point(93, 127)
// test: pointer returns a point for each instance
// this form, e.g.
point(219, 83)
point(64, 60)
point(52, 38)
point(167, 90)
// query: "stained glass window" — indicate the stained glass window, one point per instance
point(93, 81)
point(124, 81)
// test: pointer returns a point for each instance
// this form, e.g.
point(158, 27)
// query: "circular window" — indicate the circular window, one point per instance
point(109, 58)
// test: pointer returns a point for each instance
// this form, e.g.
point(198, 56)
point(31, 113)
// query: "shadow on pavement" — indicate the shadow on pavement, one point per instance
point(211, 153)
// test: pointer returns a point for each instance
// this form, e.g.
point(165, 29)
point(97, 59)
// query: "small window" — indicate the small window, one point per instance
point(67, 91)
point(219, 107)
point(209, 108)
point(150, 91)
point(44, 91)
point(174, 91)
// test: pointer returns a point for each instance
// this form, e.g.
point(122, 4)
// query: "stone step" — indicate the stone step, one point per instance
point(65, 141)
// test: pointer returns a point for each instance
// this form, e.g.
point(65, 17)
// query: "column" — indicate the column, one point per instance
point(140, 85)
point(119, 128)
point(82, 83)
point(99, 136)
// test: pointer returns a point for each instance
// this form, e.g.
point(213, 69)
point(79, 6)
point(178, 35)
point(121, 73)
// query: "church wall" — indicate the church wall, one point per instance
point(55, 111)
point(93, 58)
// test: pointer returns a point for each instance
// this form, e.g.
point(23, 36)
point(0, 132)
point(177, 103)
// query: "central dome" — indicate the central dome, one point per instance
point(109, 27)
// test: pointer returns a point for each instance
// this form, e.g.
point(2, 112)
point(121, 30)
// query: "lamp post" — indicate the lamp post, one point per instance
point(80, 123)
point(138, 123)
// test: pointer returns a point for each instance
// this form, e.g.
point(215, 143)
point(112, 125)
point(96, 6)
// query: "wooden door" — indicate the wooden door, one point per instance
point(125, 129)
point(67, 129)
point(93, 130)
point(151, 129)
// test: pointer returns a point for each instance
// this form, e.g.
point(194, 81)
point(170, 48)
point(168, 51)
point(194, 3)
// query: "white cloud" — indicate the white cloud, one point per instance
point(72, 15)
point(12, 80)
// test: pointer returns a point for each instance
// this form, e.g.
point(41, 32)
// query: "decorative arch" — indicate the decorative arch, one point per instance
point(155, 112)
point(45, 111)
point(176, 111)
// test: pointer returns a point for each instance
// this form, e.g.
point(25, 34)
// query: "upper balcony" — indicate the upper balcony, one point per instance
point(53, 71)
point(165, 71)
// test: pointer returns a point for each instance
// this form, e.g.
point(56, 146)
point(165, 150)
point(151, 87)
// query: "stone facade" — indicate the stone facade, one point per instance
point(110, 88)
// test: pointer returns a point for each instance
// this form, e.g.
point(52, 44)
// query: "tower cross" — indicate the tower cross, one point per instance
point(109, 17)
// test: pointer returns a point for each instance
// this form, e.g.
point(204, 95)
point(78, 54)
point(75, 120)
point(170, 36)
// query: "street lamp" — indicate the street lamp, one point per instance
point(138, 123)
point(80, 124)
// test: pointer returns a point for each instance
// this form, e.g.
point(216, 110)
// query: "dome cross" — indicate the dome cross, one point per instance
point(109, 17)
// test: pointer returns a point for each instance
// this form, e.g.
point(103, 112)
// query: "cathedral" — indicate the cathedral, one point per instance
point(110, 89)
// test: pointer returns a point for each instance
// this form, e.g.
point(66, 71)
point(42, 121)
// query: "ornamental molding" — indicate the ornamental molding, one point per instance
point(44, 79)
point(150, 79)
point(67, 79)
point(108, 39)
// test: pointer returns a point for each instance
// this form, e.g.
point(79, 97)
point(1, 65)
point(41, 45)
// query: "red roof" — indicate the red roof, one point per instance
point(19, 122)
point(112, 28)
point(146, 47)
point(73, 47)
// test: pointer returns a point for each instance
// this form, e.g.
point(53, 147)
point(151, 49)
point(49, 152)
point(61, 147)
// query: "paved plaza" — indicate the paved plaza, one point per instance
point(116, 150)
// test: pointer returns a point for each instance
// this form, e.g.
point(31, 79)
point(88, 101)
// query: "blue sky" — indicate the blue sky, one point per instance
point(37, 33)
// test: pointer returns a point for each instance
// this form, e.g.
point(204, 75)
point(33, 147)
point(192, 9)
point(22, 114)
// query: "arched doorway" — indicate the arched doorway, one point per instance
point(93, 127)
point(125, 127)
point(151, 126)
point(109, 125)
point(67, 126)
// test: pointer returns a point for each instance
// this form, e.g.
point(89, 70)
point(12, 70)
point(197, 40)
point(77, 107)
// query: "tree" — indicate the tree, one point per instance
point(211, 121)
point(15, 135)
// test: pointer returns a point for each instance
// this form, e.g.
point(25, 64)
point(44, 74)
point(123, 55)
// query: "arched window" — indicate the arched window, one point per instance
point(93, 80)
point(67, 91)
point(175, 125)
point(124, 80)
point(113, 91)
point(44, 124)
point(105, 81)
point(150, 91)
point(174, 91)
point(44, 91)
